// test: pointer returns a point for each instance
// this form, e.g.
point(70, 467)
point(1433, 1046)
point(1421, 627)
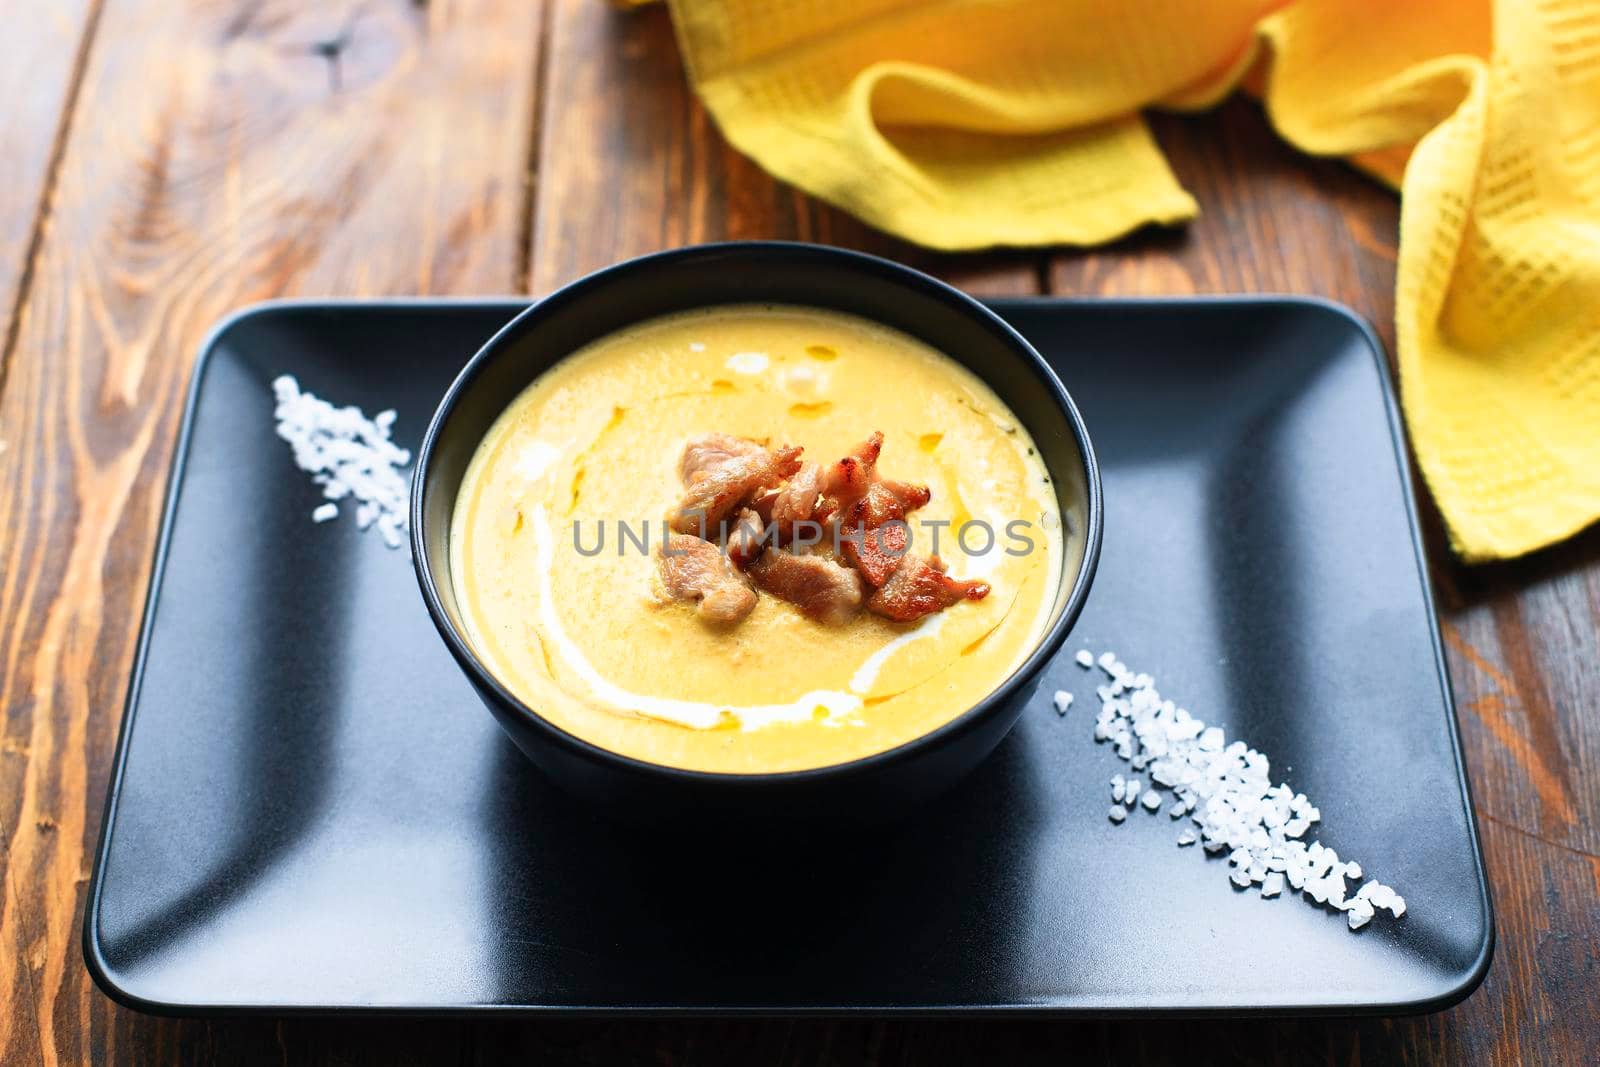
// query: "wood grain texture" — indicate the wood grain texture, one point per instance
point(221, 152)
point(630, 163)
point(1271, 221)
point(218, 156)
point(41, 64)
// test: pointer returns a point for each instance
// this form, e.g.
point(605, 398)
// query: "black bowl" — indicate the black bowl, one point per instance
point(884, 785)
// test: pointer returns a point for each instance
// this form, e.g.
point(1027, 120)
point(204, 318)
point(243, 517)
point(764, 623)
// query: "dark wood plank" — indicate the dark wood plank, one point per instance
point(41, 64)
point(631, 163)
point(1271, 221)
point(223, 151)
point(1524, 646)
point(41, 61)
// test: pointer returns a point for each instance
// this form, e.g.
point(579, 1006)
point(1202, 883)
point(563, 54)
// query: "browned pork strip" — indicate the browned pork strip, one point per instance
point(713, 450)
point(862, 502)
point(887, 499)
point(918, 587)
point(854, 493)
point(792, 502)
point(877, 551)
point(745, 540)
point(714, 492)
point(692, 569)
point(816, 585)
point(849, 479)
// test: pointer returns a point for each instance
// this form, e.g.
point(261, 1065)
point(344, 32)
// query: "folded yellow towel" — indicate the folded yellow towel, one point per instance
point(968, 123)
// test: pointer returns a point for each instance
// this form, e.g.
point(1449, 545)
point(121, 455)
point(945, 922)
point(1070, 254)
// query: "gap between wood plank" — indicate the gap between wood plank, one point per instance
point(1506, 824)
point(527, 225)
point(47, 190)
point(1042, 275)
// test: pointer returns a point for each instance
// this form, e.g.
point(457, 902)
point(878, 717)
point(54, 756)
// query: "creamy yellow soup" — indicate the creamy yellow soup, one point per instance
point(590, 640)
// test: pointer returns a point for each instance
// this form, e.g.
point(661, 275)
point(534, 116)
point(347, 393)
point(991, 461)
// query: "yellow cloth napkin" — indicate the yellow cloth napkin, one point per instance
point(968, 123)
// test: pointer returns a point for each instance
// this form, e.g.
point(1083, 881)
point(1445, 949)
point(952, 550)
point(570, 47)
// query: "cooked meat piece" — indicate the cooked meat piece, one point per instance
point(714, 492)
point(860, 501)
point(692, 569)
point(858, 498)
point(815, 584)
point(887, 499)
point(768, 493)
point(712, 451)
point(745, 540)
point(793, 501)
point(848, 480)
point(884, 502)
point(918, 587)
point(876, 551)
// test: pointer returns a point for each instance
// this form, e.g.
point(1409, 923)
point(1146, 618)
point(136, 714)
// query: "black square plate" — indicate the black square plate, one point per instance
point(310, 811)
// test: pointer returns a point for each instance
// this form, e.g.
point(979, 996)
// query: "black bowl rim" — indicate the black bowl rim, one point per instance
point(999, 697)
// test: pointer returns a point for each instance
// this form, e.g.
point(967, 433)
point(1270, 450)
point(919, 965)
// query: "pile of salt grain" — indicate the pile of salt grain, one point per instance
point(349, 455)
point(1227, 792)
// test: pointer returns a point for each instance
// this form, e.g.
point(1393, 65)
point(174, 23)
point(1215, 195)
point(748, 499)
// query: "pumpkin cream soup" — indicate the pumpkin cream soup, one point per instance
point(755, 539)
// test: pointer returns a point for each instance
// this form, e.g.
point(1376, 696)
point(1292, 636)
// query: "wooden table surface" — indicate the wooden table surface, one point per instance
point(165, 161)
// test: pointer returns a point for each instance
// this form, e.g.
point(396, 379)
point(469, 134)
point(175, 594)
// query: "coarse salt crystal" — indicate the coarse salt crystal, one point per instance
point(348, 455)
point(1063, 701)
point(1227, 791)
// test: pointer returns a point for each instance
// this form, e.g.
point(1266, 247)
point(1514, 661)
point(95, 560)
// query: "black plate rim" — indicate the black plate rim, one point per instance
point(1452, 994)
